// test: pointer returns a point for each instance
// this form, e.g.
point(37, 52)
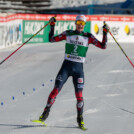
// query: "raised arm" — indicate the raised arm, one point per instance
point(97, 43)
point(51, 33)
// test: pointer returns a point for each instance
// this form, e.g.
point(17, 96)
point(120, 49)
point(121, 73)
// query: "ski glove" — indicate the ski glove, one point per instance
point(52, 21)
point(106, 28)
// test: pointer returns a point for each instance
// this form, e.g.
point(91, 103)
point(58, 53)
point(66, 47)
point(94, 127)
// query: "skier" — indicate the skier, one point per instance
point(77, 43)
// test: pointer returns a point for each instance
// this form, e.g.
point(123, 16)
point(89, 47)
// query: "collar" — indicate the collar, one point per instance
point(77, 32)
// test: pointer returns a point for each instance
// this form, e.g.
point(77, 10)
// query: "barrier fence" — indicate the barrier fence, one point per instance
point(15, 29)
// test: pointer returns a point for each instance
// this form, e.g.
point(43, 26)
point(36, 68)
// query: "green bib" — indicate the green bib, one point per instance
point(76, 47)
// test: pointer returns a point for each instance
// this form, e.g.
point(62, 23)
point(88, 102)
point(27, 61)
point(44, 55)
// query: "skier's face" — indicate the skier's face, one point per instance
point(80, 25)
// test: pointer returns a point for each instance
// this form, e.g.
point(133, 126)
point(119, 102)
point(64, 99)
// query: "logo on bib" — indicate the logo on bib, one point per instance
point(80, 80)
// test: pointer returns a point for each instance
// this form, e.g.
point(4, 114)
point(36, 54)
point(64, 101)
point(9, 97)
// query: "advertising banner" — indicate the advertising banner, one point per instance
point(13, 34)
point(122, 31)
point(62, 26)
point(121, 27)
point(30, 27)
point(18, 28)
point(10, 33)
point(2, 28)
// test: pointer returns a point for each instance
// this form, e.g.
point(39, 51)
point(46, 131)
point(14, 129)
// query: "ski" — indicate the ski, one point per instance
point(83, 128)
point(38, 121)
point(43, 123)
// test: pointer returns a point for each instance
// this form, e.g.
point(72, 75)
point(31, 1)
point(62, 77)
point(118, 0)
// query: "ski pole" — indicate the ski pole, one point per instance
point(24, 44)
point(120, 48)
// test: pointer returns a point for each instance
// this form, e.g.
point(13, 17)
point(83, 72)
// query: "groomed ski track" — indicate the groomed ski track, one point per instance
point(27, 78)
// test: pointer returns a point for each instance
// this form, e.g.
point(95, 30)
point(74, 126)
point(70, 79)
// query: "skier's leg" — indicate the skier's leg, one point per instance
point(78, 84)
point(51, 100)
point(78, 93)
point(59, 82)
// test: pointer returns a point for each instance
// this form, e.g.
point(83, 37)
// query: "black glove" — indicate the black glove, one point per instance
point(52, 21)
point(106, 28)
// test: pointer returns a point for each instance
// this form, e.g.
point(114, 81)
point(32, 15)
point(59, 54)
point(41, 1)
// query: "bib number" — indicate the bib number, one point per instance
point(75, 48)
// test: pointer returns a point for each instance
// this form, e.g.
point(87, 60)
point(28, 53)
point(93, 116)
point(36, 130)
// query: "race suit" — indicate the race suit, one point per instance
point(75, 53)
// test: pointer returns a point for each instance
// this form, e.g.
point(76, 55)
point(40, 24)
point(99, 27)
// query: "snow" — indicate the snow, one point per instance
point(28, 76)
point(121, 71)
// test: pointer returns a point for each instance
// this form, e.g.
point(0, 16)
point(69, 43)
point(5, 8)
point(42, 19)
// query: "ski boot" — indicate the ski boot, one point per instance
point(44, 115)
point(81, 122)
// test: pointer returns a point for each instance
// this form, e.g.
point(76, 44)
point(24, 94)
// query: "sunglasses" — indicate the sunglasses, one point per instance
point(78, 22)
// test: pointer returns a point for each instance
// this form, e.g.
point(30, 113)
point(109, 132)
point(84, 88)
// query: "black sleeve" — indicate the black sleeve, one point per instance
point(104, 40)
point(51, 33)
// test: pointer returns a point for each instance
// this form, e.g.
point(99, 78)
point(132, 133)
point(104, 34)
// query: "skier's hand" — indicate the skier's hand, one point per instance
point(106, 28)
point(52, 21)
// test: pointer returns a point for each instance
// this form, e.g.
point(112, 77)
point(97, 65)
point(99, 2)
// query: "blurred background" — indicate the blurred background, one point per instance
point(68, 6)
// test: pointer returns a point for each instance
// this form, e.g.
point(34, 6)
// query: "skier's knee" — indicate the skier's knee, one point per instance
point(54, 93)
point(80, 104)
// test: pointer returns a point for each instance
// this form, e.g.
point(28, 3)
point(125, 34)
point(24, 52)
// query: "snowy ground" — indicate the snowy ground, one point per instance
point(108, 91)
